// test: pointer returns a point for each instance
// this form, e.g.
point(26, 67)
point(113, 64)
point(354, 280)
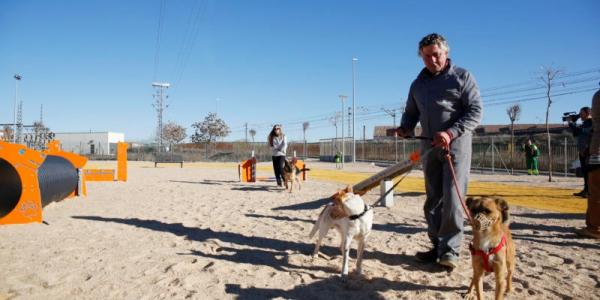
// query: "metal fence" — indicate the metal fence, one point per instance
point(489, 152)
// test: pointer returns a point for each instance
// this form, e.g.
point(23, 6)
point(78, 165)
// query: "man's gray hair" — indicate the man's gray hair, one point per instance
point(434, 39)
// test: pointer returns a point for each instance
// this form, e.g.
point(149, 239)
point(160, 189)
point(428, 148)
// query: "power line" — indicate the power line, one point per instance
point(544, 97)
point(539, 86)
point(528, 82)
point(158, 33)
point(188, 43)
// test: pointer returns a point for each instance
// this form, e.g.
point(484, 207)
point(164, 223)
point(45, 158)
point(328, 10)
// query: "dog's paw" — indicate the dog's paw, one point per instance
point(469, 296)
point(344, 278)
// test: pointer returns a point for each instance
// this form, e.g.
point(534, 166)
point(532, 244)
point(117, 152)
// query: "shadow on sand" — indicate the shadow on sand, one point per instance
point(306, 205)
point(334, 288)
point(270, 252)
point(254, 188)
point(401, 228)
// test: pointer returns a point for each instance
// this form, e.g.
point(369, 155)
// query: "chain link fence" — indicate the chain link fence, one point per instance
point(490, 153)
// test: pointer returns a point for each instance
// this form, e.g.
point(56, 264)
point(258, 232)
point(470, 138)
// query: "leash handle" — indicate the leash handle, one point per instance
point(462, 202)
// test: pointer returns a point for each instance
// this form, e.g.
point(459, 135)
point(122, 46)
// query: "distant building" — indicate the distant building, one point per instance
point(385, 132)
point(520, 129)
point(100, 143)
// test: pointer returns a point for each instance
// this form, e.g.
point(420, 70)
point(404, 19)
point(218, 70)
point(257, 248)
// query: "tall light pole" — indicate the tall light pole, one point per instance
point(17, 79)
point(343, 98)
point(392, 112)
point(354, 60)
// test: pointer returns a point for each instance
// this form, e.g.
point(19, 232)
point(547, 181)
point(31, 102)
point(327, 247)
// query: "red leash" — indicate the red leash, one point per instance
point(462, 202)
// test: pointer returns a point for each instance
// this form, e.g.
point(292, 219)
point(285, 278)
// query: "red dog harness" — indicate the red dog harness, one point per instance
point(486, 255)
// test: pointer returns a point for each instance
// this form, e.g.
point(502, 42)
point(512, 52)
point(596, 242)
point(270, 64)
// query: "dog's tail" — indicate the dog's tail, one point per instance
point(317, 223)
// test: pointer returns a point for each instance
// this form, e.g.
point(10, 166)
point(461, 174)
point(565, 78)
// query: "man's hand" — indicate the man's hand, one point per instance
point(401, 132)
point(442, 139)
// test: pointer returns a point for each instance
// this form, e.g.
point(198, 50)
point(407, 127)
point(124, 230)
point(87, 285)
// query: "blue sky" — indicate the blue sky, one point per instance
point(91, 63)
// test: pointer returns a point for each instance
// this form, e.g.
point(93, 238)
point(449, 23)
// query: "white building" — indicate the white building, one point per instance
point(102, 143)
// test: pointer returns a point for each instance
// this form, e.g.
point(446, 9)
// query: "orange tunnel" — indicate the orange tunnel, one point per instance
point(32, 180)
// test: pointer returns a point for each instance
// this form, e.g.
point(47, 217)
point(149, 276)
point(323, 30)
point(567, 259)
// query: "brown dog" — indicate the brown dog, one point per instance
point(492, 249)
point(291, 173)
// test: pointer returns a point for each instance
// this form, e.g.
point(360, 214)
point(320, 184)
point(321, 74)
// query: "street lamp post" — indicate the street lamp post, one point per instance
point(354, 60)
point(17, 79)
point(342, 97)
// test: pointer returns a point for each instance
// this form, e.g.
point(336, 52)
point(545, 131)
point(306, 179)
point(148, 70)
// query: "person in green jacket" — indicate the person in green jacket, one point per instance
point(531, 157)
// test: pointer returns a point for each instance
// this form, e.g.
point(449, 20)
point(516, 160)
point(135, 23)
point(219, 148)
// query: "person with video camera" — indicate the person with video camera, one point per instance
point(592, 216)
point(582, 133)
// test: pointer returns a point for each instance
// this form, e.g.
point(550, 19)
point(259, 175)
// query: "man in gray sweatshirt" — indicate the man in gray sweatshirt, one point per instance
point(445, 99)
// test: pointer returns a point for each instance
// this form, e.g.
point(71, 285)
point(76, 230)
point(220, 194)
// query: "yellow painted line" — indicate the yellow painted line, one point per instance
point(544, 198)
point(551, 199)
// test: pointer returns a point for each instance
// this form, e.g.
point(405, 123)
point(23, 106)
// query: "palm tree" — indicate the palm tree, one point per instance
point(514, 112)
point(304, 128)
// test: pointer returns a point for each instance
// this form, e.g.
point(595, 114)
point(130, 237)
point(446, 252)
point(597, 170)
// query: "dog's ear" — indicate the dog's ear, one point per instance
point(503, 207)
point(349, 189)
point(470, 202)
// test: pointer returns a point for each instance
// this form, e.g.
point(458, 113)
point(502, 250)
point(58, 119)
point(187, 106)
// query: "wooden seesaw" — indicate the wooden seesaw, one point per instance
point(385, 176)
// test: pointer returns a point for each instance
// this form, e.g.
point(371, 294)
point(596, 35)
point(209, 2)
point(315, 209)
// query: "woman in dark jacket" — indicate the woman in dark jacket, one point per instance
point(278, 143)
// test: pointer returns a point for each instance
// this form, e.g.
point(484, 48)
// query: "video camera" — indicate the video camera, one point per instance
point(570, 116)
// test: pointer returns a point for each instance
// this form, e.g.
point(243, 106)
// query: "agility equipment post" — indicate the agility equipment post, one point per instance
point(32, 180)
point(388, 197)
point(109, 174)
point(122, 161)
point(248, 170)
point(301, 166)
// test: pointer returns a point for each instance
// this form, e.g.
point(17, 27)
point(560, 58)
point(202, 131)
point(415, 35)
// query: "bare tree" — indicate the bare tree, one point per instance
point(252, 135)
point(547, 77)
point(173, 133)
point(209, 130)
point(514, 112)
point(7, 133)
point(41, 136)
point(305, 126)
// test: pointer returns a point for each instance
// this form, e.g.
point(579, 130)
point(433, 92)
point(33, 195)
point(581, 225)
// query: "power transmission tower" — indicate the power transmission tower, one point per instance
point(159, 105)
point(41, 113)
point(246, 125)
point(19, 132)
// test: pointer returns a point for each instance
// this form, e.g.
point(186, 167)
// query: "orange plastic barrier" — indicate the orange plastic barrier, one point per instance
point(109, 174)
point(99, 174)
point(247, 170)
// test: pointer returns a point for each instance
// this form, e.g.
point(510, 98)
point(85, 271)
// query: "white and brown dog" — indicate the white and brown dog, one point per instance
point(353, 219)
point(492, 249)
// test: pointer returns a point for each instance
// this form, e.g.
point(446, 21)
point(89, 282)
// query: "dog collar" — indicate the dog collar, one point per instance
point(485, 256)
point(354, 217)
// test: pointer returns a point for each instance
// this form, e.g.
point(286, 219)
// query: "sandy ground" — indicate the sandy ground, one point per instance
point(197, 233)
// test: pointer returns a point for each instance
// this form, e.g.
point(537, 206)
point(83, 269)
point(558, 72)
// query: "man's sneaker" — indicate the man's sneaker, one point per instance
point(584, 232)
point(427, 256)
point(449, 260)
point(583, 194)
